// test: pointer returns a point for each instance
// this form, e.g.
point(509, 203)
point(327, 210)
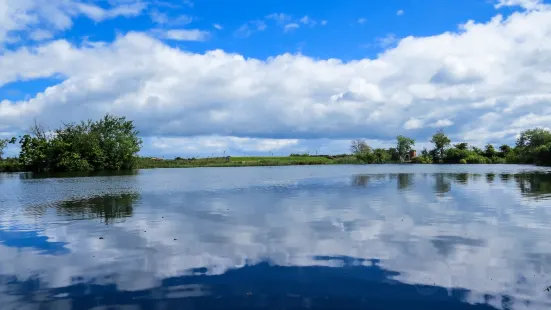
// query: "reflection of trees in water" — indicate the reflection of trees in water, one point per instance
point(76, 174)
point(107, 207)
point(442, 185)
point(504, 177)
point(534, 184)
point(405, 180)
point(461, 178)
point(531, 184)
point(363, 180)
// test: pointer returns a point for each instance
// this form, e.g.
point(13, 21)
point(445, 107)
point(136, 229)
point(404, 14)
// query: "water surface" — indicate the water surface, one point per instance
point(305, 237)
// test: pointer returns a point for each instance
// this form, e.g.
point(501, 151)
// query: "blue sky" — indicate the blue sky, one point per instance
point(256, 77)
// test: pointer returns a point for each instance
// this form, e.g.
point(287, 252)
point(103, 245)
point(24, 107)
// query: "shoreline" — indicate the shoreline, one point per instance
point(148, 163)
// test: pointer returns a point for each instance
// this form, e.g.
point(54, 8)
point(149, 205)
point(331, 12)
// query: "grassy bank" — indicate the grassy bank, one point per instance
point(148, 163)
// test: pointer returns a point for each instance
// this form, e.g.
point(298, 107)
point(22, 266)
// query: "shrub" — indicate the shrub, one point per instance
point(422, 160)
point(477, 159)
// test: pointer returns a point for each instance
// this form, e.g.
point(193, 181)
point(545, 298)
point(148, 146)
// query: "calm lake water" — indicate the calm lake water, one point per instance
point(307, 237)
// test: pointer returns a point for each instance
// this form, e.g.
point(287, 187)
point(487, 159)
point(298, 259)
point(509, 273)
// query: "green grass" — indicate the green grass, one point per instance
point(145, 163)
point(12, 165)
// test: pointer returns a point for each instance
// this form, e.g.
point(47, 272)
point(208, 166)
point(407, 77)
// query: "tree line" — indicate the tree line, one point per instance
point(532, 147)
point(111, 143)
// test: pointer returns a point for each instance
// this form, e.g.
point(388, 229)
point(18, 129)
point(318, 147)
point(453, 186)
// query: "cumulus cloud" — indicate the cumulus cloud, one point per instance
point(28, 16)
point(461, 76)
point(400, 12)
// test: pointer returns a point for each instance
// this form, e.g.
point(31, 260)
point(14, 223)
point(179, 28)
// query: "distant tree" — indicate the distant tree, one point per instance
point(381, 156)
point(490, 151)
point(362, 151)
point(504, 150)
point(441, 141)
point(358, 146)
point(425, 152)
point(477, 151)
point(403, 146)
point(3, 145)
point(533, 138)
point(462, 146)
point(393, 153)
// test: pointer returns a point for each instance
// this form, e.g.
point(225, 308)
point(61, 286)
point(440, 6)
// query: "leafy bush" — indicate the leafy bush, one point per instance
point(111, 143)
point(477, 159)
point(422, 160)
point(462, 161)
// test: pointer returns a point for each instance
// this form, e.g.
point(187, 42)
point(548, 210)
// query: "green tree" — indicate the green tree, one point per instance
point(4, 144)
point(404, 146)
point(533, 138)
point(504, 150)
point(111, 143)
point(462, 146)
point(381, 156)
point(441, 141)
point(533, 147)
point(393, 153)
point(362, 151)
point(477, 151)
point(358, 146)
point(490, 151)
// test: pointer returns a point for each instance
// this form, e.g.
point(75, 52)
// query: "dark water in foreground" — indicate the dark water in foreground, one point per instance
point(310, 237)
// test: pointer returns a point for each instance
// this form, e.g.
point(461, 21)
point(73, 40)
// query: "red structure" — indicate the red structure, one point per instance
point(412, 154)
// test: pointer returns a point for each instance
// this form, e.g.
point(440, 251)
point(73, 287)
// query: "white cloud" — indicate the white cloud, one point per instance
point(163, 19)
point(441, 123)
point(280, 18)
point(361, 21)
point(251, 27)
point(308, 21)
point(400, 12)
point(185, 35)
point(219, 144)
point(29, 16)
point(289, 23)
point(388, 40)
point(413, 123)
point(40, 35)
point(218, 26)
point(290, 27)
point(525, 4)
point(459, 76)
